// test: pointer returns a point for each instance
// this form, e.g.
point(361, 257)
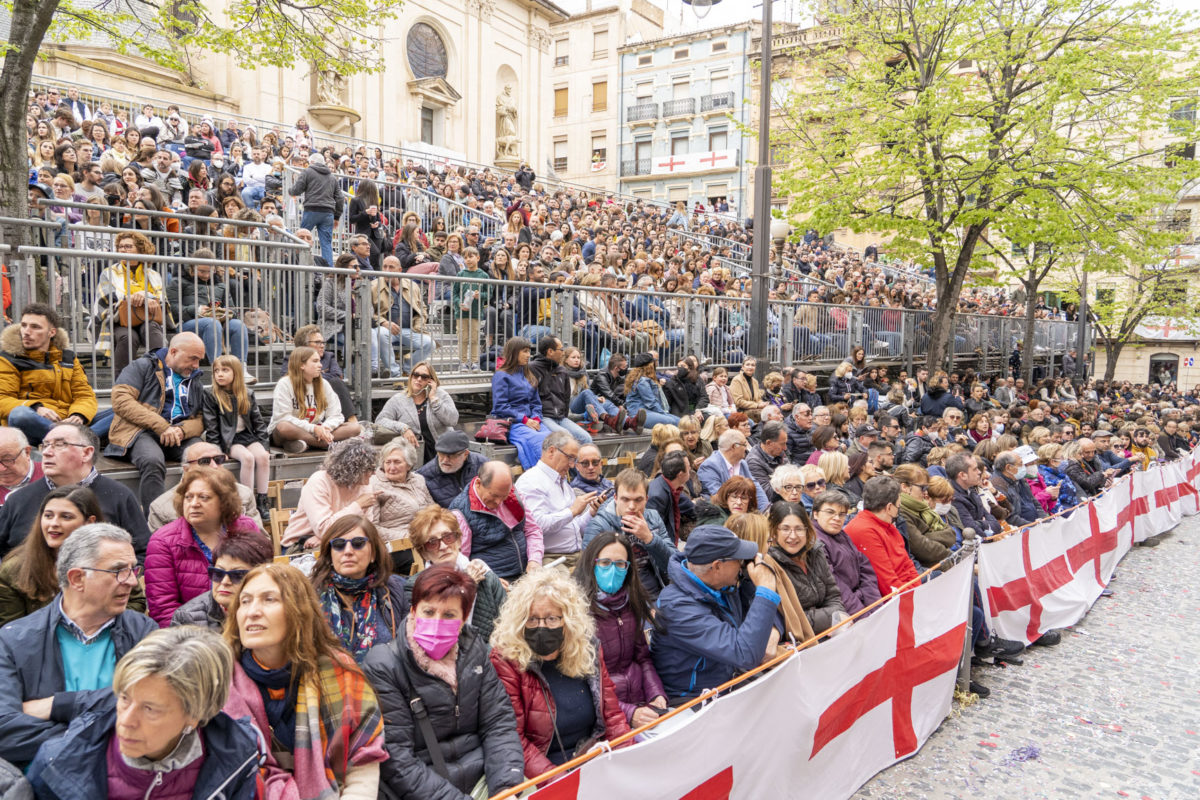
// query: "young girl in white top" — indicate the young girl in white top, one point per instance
point(306, 412)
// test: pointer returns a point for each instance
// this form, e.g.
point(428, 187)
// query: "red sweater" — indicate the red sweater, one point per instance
point(883, 546)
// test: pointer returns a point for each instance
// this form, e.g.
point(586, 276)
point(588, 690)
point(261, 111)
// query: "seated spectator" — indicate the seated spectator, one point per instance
point(28, 575)
point(160, 731)
point(236, 554)
point(626, 513)
point(643, 393)
point(400, 315)
point(609, 384)
point(836, 468)
point(42, 382)
point(306, 412)
point(874, 533)
point(69, 454)
point(1086, 471)
point(738, 495)
point(938, 397)
point(492, 520)
point(795, 547)
point(401, 494)
point(547, 496)
point(545, 653)
point(364, 603)
point(55, 660)
point(157, 402)
point(1105, 453)
point(455, 466)
point(738, 421)
point(233, 422)
point(1008, 477)
point(17, 468)
point(660, 435)
point(1171, 445)
point(799, 433)
point(962, 470)
point(713, 625)
point(130, 302)
point(443, 667)
point(824, 440)
point(310, 702)
point(422, 413)
point(856, 580)
point(787, 481)
point(515, 398)
point(201, 455)
point(584, 402)
point(930, 539)
point(693, 443)
point(181, 551)
point(331, 370)
point(437, 539)
point(554, 388)
point(747, 391)
point(729, 461)
point(204, 303)
point(621, 610)
point(768, 455)
point(668, 497)
point(1141, 450)
point(341, 487)
point(589, 471)
point(720, 397)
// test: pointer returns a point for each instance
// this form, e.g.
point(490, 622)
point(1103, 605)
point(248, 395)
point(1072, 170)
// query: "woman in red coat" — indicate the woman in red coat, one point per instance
point(180, 552)
point(544, 649)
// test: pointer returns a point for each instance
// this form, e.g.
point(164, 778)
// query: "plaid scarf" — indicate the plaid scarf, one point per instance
point(358, 625)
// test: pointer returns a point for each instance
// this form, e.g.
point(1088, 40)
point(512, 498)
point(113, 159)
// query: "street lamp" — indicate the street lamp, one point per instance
point(764, 226)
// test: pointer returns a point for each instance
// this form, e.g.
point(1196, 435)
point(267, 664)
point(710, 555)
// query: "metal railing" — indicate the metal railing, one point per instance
point(635, 166)
point(641, 111)
point(715, 102)
point(685, 106)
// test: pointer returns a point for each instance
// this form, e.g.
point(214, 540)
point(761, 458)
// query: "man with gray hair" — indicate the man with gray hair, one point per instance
point(729, 460)
point(545, 491)
point(496, 528)
point(17, 469)
point(1008, 477)
point(769, 453)
point(53, 661)
point(200, 454)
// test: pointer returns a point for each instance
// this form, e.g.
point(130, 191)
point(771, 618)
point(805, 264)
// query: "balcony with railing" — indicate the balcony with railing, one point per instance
point(683, 107)
point(560, 163)
point(641, 113)
point(562, 61)
point(637, 166)
point(717, 103)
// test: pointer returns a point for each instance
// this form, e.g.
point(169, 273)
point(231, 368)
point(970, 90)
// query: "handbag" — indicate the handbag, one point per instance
point(494, 430)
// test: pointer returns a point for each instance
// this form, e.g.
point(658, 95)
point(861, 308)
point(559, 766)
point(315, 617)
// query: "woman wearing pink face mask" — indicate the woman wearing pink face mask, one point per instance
point(451, 731)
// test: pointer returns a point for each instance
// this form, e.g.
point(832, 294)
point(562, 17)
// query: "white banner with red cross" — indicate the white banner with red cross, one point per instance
point(1048, 575)
point(826, 719)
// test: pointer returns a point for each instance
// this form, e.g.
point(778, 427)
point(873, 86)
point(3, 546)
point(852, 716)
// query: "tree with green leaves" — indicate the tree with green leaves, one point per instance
point(946, 125)
point(333, 35)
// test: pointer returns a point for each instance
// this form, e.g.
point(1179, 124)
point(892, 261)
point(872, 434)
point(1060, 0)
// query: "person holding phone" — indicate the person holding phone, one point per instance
point(546, 493)
point(627, 513)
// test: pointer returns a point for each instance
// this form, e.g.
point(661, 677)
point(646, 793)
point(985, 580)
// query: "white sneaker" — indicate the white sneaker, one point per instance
point(294, 447)
point(248, 378)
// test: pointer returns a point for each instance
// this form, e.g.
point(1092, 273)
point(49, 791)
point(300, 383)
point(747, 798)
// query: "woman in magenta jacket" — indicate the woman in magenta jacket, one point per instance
point(180, 553)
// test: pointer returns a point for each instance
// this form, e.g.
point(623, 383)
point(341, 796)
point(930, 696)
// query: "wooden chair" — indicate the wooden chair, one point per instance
point(279, 521)
point(275, 493)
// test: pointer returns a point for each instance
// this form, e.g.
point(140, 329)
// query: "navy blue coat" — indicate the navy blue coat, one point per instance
point(936, 401)
point(444, 487)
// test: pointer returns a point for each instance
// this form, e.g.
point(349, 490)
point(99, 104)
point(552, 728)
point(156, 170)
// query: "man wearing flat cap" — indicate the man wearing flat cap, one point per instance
point(714, 623)
point(455, 466)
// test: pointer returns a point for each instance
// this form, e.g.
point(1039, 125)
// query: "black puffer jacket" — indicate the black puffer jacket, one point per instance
point(475, 726)
point(815, 588)
point(800, 445)
point(553, 385)
point(610, 387)
point(221, 426)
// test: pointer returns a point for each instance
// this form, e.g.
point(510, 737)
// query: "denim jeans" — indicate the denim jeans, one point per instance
point(35, 426)
point(323, 222)
point(534, 332)
point(581, 401)
point(211, 333)
point(417, 347)
point(570, 427)
point(252, 196)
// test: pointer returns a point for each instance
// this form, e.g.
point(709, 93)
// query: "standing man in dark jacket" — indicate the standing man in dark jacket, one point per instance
point(962, 469)
point(525, 178)
point(799, 434)
point(554, 387)
point(323, 202)
point(667, 496)
point(455, 466)
point(53, 662)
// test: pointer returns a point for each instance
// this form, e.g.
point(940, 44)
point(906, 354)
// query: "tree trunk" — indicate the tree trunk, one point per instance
point(1112, 351)
point(949, 284)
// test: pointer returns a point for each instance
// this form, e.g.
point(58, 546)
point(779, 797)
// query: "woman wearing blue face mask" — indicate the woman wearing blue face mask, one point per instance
point(621, 608)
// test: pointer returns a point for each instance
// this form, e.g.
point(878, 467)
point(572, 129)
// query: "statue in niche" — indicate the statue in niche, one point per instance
point(506, 124)
point(331, 87)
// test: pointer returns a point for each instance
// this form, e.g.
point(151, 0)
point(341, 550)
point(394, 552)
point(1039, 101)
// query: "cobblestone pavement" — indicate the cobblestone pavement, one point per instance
point(1113, 711)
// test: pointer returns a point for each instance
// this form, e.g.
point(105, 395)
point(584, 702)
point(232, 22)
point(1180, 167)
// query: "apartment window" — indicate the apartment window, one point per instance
point(644, 90)
point(560, 153)
point(718, 139)
point(642, 148)
point(600, 96)
point(681, 54)
point(600, 44)
point(965, 63)
point(646, 60)
point(1106, 297)
point(560, 102)
point(778, 154)
point(562, 52)
point(426, 125)
point(679, 143)
point(1183, 115)
point(644, 194)
point(681, 89)
point(599, 147)
point(718, 82)
point(677, 194)
point(720, 47)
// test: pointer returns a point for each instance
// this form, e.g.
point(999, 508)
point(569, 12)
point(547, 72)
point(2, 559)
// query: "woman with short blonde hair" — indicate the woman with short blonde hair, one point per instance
point(835, 466)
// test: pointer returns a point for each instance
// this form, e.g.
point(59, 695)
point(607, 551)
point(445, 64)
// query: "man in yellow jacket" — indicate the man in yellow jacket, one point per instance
point(42, 382)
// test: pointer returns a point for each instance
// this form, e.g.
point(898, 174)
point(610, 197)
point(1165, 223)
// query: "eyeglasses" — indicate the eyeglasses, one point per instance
point(791, 529)
point(339, 544)
point(209, 461)
point(9, 461)
point(815, 485)
point(122, 574)
point(792, 487)
point(421, 376)
point(58, 444)
point(438, 542)
point(619, 563)
point(552, 621)
point(217, 575)
point(591, 462)
point(831, 514)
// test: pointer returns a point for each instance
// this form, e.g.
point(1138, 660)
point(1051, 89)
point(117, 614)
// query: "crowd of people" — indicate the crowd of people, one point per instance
point(444, 625)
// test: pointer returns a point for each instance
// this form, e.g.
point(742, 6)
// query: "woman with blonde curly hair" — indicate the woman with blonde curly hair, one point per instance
point(544, 649)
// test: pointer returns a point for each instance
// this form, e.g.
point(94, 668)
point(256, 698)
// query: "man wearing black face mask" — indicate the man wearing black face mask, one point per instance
point(714, 623)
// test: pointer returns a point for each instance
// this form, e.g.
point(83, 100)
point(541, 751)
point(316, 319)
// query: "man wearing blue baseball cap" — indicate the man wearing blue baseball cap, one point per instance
point(713, 621)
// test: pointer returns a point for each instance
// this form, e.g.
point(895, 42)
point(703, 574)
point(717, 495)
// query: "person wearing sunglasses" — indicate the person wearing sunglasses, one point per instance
point(200, 455)
point(180, 552)
point(62, 652)
point(237, 554)
point(364, 603)
point(424, 409)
